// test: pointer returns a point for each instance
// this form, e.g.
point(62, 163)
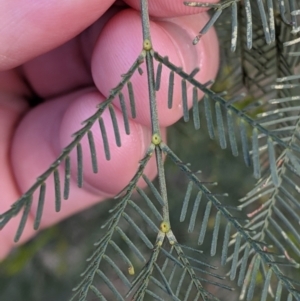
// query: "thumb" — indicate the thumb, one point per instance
point(118, 46)
point(30, 28)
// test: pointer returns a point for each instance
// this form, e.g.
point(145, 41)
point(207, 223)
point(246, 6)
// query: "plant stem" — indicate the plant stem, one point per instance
point(147, 47)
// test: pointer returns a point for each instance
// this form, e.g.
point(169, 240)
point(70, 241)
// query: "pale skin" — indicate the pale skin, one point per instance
point(58, 60)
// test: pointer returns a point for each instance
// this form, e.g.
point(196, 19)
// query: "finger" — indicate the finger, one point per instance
point(169, 8)
point(29, 28)
point(67, 67)
point(118, 47)
point(47, 129)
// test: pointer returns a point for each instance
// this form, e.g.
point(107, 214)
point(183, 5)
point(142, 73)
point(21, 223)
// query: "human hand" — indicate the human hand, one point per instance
point(58, 60)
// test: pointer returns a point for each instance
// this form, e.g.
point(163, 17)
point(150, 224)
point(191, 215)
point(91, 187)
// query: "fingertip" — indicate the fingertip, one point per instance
point(114, 54)
point(113, 172)
point(47, 130)
point(118, 47)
